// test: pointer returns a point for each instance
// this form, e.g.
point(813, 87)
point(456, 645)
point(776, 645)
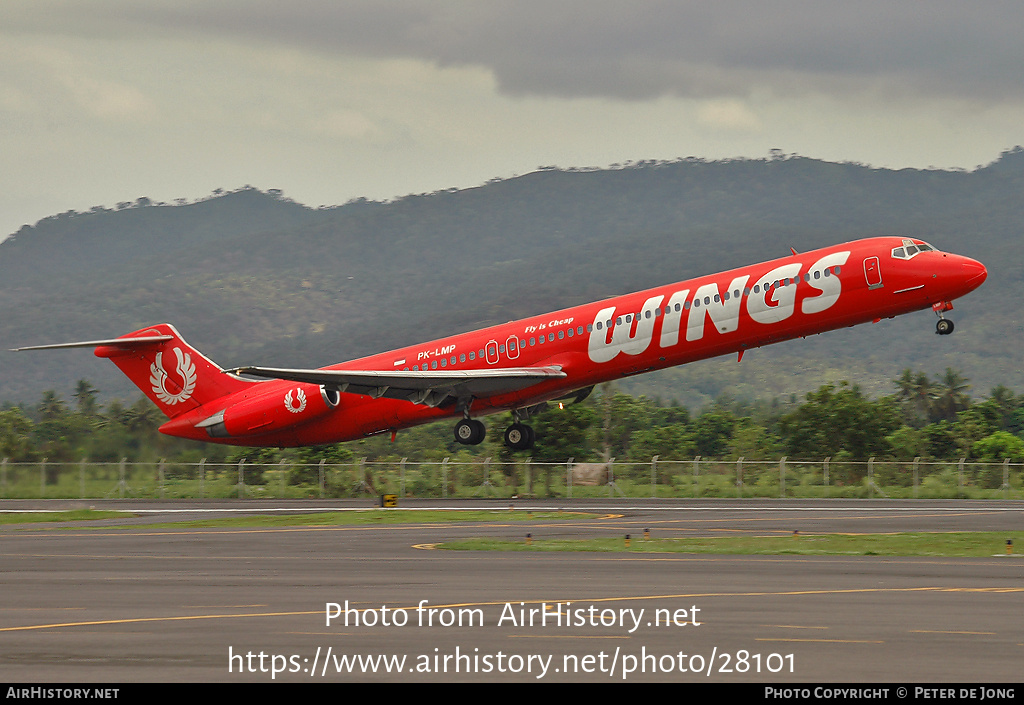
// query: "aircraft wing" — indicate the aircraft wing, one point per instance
point(428, 387)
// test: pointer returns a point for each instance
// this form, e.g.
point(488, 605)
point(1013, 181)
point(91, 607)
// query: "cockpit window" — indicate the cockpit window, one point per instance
point(910, 249)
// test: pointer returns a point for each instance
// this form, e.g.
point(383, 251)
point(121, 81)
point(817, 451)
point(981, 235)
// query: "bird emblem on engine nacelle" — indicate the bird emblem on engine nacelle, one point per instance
point(295, 404)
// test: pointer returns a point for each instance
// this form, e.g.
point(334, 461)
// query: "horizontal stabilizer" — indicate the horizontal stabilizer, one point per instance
point(114, 343)
point(170, 372)
point(429, 387)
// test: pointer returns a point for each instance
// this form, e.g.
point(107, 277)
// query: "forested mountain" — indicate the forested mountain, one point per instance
point(250, 277)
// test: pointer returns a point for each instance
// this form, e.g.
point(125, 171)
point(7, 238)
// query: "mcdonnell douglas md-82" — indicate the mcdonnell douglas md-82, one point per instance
point(522, 365)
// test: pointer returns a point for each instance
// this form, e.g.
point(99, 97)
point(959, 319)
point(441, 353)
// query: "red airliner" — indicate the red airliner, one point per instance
point(519, 366)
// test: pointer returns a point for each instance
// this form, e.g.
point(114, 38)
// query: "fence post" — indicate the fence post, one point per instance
point(825, 474)
point(81, 478)
point(1006, 477)
point(871, 477)
point(654, 476)
point(202, 478)
point(960, 475)
point(568, 476)
point(444, 478)
point(241, 478)
point(320, 475)
point(739, 477)
point(281, 474)
point(486, 485)
point(42, 479)
point(120, 475)
point(696, 471)
point(782, 476)
point(401, 478)
point(160, 476)
point(364, 486)
point(917, 474)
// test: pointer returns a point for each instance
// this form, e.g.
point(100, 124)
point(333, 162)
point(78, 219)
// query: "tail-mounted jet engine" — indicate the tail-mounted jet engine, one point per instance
point(272, 411)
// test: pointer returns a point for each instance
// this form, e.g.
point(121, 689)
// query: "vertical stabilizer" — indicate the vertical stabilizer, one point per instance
point(174, 375)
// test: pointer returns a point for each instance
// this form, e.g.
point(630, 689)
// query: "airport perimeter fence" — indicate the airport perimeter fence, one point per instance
point(486, 478)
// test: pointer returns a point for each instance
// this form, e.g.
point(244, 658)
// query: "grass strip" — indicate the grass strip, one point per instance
point(370, 516)
point(72, 515)
point(953, 544)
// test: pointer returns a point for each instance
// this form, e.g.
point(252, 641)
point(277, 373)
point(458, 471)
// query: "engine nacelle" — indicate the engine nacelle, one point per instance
point(274, 411)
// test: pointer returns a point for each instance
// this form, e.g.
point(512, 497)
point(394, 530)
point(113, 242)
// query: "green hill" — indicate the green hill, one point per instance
point(254, 278)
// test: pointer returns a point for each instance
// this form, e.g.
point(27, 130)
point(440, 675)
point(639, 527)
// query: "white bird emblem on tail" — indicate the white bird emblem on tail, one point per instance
point(158, 378)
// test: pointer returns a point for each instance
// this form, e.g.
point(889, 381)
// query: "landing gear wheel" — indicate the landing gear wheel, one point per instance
point(944, 326)
point(519, 436)
point(470, 432)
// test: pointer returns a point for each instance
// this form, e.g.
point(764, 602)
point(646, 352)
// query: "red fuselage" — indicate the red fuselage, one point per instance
point(668, 325)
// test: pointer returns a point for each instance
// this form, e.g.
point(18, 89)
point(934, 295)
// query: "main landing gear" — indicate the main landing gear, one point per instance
point(943, 326)
point(470, 432)
point(518, 436)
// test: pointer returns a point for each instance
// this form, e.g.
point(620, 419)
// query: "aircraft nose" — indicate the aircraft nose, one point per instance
point(974, 272)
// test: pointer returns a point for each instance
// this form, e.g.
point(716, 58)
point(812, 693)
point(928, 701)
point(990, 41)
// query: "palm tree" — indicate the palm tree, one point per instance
point(142, 416)
point(85, 394)
point(917, 394)
point(51, 407)
point(951, 395)
point(1006, 402)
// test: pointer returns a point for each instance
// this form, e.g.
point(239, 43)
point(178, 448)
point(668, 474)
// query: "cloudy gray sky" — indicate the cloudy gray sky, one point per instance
point(104, 101)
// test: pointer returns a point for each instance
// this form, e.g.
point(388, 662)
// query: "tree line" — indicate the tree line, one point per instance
point(933, 418)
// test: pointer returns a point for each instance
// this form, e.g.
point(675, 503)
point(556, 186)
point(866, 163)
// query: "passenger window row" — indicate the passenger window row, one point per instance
point(563, 333)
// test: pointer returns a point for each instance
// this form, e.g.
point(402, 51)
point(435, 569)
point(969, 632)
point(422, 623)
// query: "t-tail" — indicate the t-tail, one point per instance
point(171, 373)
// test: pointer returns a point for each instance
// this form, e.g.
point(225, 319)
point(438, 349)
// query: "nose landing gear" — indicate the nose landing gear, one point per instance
point(943, 326)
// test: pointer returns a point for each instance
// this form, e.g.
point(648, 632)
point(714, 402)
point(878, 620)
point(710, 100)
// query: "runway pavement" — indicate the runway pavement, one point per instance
point(109, 605)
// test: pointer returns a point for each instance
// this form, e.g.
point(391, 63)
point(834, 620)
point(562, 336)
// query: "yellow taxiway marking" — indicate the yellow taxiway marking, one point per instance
point(592, 600)
point(565, 636)
point(825, 641)
point(140, 620)
point(133, 532)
